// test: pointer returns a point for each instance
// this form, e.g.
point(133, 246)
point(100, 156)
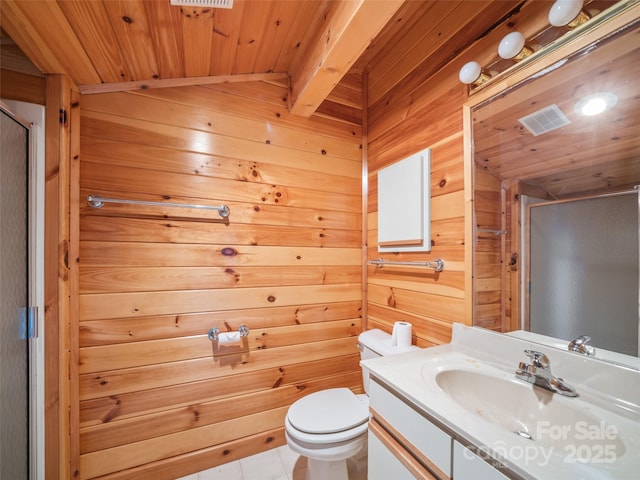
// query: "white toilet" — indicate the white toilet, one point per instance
point(330, 426)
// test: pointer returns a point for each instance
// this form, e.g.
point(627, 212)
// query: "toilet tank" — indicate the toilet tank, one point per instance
point(376, 343)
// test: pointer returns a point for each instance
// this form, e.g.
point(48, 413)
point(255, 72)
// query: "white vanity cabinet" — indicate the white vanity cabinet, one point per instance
point(383, 463)
point(413, 444)
point(405, 445)
point(468, 466)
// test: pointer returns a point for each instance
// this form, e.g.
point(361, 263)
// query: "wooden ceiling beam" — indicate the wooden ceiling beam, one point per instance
point(347, 30)
point(179, 82)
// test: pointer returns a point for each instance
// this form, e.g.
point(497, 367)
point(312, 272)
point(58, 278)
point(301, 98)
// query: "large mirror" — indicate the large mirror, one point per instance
point(533, 146)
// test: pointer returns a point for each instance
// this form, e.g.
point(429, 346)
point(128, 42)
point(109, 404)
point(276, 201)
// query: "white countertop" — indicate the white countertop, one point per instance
point(601, 353)
point(610, 394)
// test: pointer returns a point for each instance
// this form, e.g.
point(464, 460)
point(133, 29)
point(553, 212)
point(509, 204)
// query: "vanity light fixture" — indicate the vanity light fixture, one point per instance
point(563, 13)
point(568, 13)
point(471, 72)
point(595, 104)
point(513, 46)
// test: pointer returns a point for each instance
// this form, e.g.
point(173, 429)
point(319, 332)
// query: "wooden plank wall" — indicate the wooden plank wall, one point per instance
point(488, 266)
point(416, 101)
point(420, 111)
point(155, 402)
point(19, 79)
point(430, 301)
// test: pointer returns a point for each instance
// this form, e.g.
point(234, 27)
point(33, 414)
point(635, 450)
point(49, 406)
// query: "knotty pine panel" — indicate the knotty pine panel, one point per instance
point(153, 158)
point(488, 268)
point(241, 213)
point(22, 87)
point(268, 103)
point(449, 283)
point(155, 279)
point(429, 116)
point(137, 404)
point(126, 456)
point(127, 329)
point(139, 428)
point(425, 328)
point(123, 279)
point(131, 130)
point(411, 107)
point(118, 229)
point(213, 120)
point(181, 465)
point(110, 305)
point(129, 181)
point(153, 352)
point(447, 172)
point(200, 254)
point(435, 306)
point(115, 382)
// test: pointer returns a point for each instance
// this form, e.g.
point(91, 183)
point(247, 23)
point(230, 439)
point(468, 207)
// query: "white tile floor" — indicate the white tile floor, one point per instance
point(277, 464)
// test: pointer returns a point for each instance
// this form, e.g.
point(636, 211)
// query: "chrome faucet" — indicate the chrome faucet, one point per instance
point(539, 373)
point(580, 345)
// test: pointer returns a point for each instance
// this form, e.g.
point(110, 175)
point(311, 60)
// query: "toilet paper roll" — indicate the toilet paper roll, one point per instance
point(229, 338)
point(401, 334)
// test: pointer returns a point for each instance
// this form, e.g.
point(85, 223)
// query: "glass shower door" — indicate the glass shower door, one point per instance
point(584, 270)
point(14, 373)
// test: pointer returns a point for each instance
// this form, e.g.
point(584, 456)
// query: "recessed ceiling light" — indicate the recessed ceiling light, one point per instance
point(595, 104)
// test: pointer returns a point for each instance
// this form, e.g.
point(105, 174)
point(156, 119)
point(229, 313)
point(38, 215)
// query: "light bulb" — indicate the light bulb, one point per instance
point(594, 107)
point(595, 104)
point(562, 12)
point(511, 45)
point(470, 72)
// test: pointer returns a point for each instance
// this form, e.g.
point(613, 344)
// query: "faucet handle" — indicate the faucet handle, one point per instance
point(539, 359)
point(580, 345)
point(581, 340)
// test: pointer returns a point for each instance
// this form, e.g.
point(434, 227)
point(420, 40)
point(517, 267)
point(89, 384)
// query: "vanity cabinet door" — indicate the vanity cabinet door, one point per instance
point(422, 438)
point(468, 466)
point(384, 462)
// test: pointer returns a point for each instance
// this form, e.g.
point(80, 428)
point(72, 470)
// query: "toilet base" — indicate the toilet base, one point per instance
point(329, 462)
point(323, 470)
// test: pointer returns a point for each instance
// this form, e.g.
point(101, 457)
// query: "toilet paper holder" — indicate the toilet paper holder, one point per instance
point(214, 332)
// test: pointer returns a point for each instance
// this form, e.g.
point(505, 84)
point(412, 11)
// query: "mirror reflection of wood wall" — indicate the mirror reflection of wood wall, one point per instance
point(589, 156)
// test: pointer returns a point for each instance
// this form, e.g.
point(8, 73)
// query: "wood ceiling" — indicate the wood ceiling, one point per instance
point(105, 45)
point(592, 154)
point(138, 42)
point(315, 45)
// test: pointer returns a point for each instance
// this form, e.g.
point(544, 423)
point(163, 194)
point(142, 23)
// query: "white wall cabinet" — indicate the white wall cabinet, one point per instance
point(404, 205)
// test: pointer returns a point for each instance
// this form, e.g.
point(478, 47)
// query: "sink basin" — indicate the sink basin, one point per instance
point(563, 424)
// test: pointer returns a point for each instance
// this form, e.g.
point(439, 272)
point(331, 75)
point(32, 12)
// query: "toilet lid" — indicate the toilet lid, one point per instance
point(328, 411)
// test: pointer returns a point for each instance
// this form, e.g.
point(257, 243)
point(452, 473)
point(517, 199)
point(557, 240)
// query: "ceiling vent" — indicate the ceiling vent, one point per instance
point(204, 3)
point(546, 120)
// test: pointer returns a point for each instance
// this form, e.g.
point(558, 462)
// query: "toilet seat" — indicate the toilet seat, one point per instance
point(324, 439)
point(327, 412)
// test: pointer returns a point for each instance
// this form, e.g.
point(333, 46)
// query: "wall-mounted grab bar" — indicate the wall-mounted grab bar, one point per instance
point(97, 202)
point(437, 264)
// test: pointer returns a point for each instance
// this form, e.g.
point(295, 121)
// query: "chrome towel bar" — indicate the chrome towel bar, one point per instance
point(97, 202)
point(437, 264)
